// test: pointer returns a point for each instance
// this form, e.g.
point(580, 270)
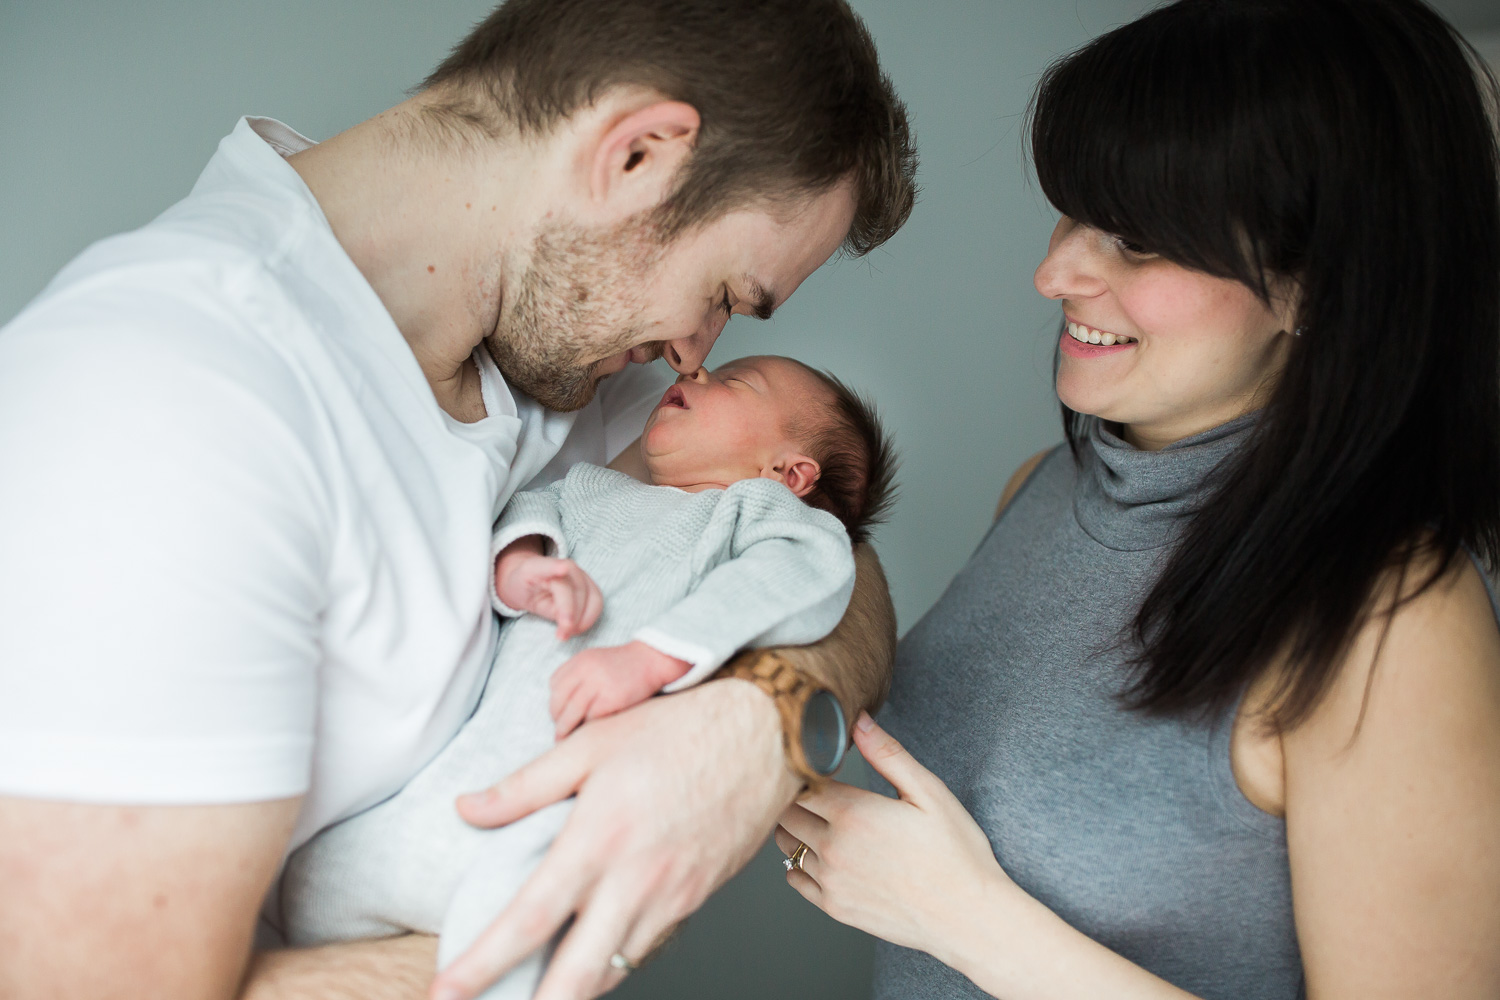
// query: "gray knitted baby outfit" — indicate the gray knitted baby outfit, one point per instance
point(697, 575)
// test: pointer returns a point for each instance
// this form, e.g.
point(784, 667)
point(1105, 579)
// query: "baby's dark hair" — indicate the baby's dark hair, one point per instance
point(857, 484)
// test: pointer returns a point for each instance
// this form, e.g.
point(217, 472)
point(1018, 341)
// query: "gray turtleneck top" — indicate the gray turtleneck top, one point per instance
point(1130, 828)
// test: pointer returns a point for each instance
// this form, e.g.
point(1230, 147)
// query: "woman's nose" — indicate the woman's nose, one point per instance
point(1070, 269)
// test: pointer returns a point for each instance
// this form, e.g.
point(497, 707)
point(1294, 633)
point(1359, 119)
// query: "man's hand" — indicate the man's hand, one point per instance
point(557, 589)
point(609, 679)
point(673, 798)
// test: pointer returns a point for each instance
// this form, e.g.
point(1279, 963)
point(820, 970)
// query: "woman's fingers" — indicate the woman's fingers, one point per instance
point(806, 831)
point(807, 887)
point(802, 826)
point(890, 759)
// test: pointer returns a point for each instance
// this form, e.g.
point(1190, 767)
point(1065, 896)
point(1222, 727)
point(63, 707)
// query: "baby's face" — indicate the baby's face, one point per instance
point(736, 422)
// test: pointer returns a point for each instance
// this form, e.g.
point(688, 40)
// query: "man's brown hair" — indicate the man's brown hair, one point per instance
point(790, 95)
point(857, 462)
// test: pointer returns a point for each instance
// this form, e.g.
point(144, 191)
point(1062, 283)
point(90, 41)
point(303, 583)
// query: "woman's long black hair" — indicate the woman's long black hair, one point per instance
point(1346, 145)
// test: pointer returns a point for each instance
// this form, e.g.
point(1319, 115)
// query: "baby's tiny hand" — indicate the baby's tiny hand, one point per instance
point(557, 589)
point(609, 679)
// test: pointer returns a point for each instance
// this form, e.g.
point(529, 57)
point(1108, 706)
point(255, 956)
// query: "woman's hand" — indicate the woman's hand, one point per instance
point(916, 871)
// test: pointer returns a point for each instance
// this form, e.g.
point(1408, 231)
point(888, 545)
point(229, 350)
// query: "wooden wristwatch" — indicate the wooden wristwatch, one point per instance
point(814, 730)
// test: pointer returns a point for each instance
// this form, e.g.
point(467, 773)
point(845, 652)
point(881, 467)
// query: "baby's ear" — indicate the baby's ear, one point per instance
point(798, 472)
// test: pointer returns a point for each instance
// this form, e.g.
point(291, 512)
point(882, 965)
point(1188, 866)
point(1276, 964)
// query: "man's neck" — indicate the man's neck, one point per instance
point(421, 217)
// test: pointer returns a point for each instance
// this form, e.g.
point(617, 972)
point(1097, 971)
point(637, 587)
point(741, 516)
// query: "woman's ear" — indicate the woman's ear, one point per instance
point(635, 164)
point(1286, 302)
point(797, 472)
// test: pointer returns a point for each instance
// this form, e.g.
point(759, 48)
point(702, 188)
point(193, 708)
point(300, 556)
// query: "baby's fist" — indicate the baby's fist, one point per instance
point(556, 589)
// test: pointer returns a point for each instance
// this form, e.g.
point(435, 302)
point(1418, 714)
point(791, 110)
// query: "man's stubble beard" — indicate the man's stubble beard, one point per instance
point(581, 296)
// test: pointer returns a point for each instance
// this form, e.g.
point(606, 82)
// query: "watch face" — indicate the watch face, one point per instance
point(823, 732)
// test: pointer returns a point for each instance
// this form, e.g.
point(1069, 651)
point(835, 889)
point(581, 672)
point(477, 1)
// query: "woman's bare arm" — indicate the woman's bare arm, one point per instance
point(1393, 807)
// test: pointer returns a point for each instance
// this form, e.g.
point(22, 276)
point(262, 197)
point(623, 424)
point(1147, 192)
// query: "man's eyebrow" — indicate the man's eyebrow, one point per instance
point(763, 302)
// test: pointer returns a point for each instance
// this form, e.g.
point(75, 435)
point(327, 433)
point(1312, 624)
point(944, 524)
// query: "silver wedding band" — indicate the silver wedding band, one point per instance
point(619, 961)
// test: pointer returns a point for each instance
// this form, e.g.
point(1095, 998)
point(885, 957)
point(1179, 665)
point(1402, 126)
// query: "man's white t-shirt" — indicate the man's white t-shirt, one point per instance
point(244, 555)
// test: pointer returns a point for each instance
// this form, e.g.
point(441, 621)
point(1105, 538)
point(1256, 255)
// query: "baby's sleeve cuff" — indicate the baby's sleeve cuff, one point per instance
point(704, 660)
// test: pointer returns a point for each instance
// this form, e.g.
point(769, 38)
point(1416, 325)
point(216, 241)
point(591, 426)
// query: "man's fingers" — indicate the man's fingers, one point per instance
point(543, 905)
point(580, 967)
point(550, 778)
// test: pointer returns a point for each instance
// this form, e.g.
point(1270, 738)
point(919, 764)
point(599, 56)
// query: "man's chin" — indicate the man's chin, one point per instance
point(564, 392)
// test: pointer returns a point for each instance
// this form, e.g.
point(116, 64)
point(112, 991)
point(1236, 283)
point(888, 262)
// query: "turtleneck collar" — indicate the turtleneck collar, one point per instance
point(1131, 500)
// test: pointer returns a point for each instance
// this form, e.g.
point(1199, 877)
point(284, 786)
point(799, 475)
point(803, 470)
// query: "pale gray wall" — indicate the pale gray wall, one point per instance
point(109, 110)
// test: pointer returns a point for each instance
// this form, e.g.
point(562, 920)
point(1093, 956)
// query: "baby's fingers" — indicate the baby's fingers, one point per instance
point(593, 604)
point(573, 711)
point(566, 603)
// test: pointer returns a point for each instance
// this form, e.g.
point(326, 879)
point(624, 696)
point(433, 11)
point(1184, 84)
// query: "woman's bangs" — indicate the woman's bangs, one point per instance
point(1132, 135)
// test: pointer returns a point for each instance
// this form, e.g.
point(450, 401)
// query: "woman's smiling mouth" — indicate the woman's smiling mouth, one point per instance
point(1082, 341)
point(1088, 335)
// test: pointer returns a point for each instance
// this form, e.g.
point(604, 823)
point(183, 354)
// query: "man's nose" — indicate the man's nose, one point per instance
point(687, 354)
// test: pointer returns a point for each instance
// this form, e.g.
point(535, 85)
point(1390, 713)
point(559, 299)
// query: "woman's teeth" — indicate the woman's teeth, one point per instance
point(1088, 335)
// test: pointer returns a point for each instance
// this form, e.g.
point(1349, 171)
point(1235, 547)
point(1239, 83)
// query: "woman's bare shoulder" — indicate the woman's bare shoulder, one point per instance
point(1018, 479)
point(1435, 649)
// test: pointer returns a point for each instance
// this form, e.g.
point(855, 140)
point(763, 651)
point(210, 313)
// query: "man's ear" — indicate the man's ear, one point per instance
point(636, 162)
point(798, 472)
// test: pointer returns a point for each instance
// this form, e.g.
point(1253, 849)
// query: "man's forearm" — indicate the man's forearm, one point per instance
point(398, 968)
point(854, 661)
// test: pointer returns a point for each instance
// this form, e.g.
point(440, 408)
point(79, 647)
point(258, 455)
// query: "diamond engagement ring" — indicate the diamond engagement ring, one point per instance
point(619, 961)
point(794, 862)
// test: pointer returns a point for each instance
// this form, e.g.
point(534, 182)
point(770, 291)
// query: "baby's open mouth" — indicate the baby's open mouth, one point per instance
point(674, 397)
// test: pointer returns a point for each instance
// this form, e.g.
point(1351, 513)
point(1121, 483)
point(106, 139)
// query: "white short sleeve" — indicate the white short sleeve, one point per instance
point(162, 536)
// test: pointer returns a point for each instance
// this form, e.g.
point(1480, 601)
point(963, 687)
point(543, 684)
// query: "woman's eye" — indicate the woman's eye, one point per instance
point(1131, 247)
point(724, 305)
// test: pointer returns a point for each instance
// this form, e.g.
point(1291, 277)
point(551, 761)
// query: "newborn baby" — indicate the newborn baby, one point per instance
point(761, 474)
